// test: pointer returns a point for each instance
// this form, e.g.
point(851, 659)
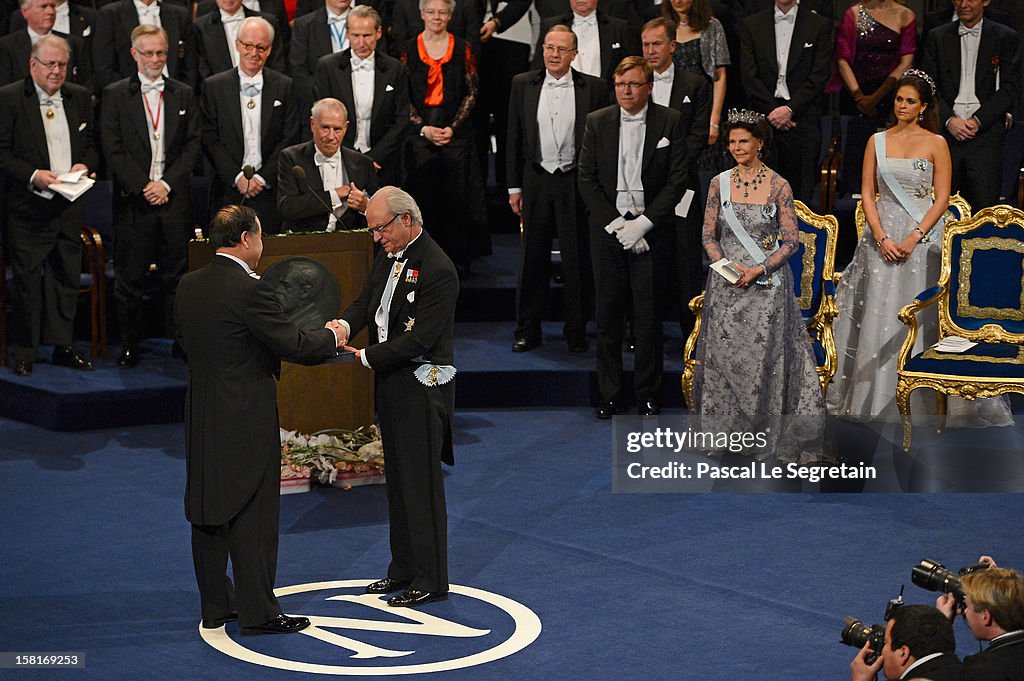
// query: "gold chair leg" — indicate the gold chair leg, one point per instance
point(940, 410)
point(903, 402)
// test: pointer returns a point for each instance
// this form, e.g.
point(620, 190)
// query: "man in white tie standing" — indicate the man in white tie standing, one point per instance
point(786, 59)
point(315, 35)
point(39, 18)
point(546, 117)
point(151, 166)
point(631, 176)
point(976, 67)
point(112, 39)
point(249, 116)
point(213, 41)
point(602, 40)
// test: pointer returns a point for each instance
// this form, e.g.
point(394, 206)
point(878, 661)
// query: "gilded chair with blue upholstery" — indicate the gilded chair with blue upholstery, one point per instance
point(980, 297)
point(958, 209)
point(814, 281)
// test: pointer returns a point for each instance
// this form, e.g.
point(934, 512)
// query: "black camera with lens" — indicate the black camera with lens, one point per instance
point(855, 633)
point(934, 576)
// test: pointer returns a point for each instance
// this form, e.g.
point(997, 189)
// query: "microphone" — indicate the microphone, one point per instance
point(247, 172)
point(299, 173)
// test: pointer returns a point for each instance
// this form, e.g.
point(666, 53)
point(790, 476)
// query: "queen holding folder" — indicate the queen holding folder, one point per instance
point(755, 368)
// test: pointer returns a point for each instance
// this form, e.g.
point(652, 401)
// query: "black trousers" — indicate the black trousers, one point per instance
point(251, 540)
point(46, 261)
point(552, 208)
point(796, 155)
point(499, 61)
point(620, 277)
point(146, 234)
point(978, 167)
point(688, 263)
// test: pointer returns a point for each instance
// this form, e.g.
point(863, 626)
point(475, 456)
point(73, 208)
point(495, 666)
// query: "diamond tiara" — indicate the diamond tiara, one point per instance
point(918, 73)
point(744, 116)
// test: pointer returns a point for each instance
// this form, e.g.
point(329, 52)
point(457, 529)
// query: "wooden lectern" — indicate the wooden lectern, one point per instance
point(316, 398)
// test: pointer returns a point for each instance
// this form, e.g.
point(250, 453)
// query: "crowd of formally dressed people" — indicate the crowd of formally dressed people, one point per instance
point(599, 117)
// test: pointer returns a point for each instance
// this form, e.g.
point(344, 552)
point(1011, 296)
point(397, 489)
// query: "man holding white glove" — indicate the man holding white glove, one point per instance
point(632, 174)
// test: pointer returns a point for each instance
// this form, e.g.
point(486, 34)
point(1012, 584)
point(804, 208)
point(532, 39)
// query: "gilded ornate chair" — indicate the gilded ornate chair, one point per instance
point(980, 297)
point(959, 209)
point(814, 287)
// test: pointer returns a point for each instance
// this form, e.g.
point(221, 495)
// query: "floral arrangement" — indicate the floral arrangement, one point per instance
point(329, 454)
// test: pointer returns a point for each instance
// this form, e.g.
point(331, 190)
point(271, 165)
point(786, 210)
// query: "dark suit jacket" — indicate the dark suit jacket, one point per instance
point(234, 332)
point(311, 39)
point(999, 45)
point(662, 171)
point(614, 36)
point(946, 15)
point(465, 21)
point(23, 144)
point(808, 69)
point(275, 8)
point(946, 667)
point(222, 125)
point(209, 53)
point(1003, 660)
point(831, 9)
point(80, 20)
point(16, 49)
point(389, 116)
point(300, 210)
point(523, 141)
point(125, 132)
point(112, 40)
point(691, 97)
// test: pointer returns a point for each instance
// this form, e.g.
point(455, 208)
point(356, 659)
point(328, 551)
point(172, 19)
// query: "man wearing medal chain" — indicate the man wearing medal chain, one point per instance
point(46, 129)
point(150, 132)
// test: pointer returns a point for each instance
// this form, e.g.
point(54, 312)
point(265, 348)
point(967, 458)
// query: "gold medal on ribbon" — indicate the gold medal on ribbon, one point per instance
point(49, 113)
point(251, 104)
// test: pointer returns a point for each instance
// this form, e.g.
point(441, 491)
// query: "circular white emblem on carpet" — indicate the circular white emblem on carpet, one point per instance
point(473, 627)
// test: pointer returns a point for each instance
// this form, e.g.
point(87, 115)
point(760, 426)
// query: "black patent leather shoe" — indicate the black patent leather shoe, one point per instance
point(282, 624)
point(649, 408)
point(410, 598)
point(220, 621)
point(22, 368)
point(129, 357)
point(67, 356)
point(387, 585)
point(608, 409)
point(525, 344)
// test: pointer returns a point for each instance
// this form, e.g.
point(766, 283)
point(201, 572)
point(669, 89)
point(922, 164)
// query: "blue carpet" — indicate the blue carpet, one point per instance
point(645, 586)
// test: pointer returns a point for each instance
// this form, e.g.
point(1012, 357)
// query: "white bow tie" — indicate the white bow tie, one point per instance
point(51, 101)
point(321, 160)
point(149, 87)
point(963, 30)
point(150, 11)
point(664, 77)
point(639, 118)
point(233, 20)
point(335, 19)
point(557, 83)
point(362, 64)
point(250, 88)
point(585, 21)
point(789, 17)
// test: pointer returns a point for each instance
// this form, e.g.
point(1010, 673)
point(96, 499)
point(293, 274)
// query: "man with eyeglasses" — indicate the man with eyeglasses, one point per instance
point(632, 175)
point(214, 36)
point(546, 116)
point(46, 129)
point(249, 116)
point(323, 186)
point(408, 307)
point(374, 87)
point(151, 166)
point(15, 48)
point(602, 40)
point(112, 39)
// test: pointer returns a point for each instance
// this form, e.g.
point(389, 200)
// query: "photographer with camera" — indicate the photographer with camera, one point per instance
point(918, 643)
point(993, 606)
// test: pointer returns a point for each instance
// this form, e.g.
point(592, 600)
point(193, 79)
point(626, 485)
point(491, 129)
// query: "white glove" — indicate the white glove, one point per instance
point(629, 234)
point(640, 246)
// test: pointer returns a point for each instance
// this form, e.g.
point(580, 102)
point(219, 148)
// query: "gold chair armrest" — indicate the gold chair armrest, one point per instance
point(908, 315)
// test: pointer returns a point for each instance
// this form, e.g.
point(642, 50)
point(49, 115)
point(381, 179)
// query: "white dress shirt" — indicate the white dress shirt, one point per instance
point(333, 175)
point(254, 5)
point(231, 23)
point(784, 23)
point(148, 14)
point(363, 71)
point(252, 137)
point(338, 30)
point(663, 85)
point(556, 122)
point(588, 51)
point(153, 105)
point(628, 184)
point(967, 103)
point(63, 21)
point(58, 137)
point(33, 37)
point(245, 266)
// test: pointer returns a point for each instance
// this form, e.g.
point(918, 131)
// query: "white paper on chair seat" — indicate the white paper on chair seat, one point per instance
point(953, 344)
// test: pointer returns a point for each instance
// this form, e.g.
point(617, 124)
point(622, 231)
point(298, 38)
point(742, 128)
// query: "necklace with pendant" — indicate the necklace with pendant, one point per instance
point(752, 183)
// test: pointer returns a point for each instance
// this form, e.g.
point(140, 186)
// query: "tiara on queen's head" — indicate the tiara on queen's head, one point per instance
point(744, 116)
point(918, 73)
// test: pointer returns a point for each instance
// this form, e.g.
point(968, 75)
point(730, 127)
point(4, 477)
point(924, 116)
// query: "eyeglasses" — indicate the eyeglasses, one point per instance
point(436, 12)
point(51, 65)
point(629, 85)
point(558, 49)
point(253, 47)
point(149, 54)
point(380, 229)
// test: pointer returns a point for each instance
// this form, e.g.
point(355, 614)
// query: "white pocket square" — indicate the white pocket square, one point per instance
point(411, 297)
point(806, 45)
point(183, 112)
point(686, 99)
point(82, 127)
point(277, 102)
point(615, 46)
point(87, 32)
point(388, 88)
point(662, 143)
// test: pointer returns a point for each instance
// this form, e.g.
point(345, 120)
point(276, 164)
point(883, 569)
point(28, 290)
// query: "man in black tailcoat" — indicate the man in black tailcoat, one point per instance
point(249, 117)
point(408, 305)
point(547, 115)
point(214, 36)
point(374, 89)
point(112, 38)
point(602, 40)
point(38, 18)
point(332, 187)
point(150, 133)
point(234, 332)
point(631, 176)
point(46, 129)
